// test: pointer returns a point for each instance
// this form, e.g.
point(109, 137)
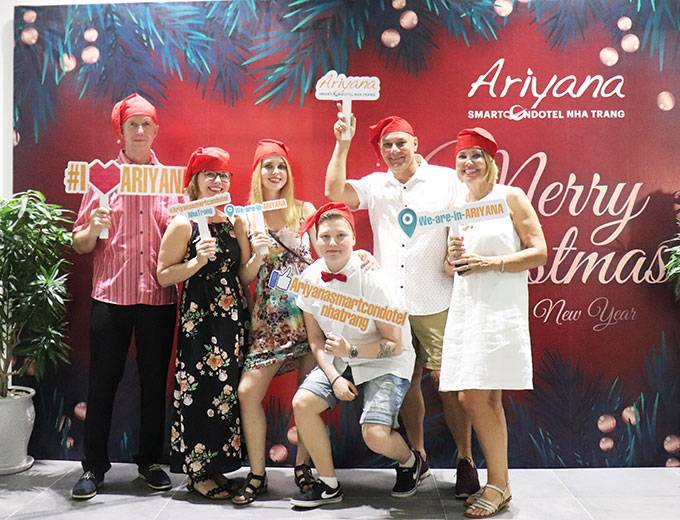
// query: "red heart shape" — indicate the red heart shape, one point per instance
point(104, 177)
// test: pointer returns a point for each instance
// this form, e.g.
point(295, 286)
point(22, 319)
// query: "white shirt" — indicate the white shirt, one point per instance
point(415, 263)
point(374, 287)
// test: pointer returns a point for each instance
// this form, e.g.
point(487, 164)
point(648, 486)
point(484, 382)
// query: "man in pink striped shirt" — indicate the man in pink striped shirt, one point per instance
point(126, 297)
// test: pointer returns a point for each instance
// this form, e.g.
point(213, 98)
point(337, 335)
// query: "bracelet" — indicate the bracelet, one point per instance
point(502, 265)
point(334, 380)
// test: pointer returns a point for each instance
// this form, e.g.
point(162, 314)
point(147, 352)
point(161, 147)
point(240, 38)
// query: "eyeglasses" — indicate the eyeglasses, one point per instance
point(211, 176)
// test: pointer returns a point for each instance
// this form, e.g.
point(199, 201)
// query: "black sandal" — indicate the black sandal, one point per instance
point(229, 485)
point(212, 492)
point(304, 478)
point(249, 490)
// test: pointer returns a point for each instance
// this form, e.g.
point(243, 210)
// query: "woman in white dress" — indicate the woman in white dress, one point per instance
point(487, 347)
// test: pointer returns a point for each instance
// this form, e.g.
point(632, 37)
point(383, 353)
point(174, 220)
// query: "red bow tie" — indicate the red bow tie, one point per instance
point(327, 277)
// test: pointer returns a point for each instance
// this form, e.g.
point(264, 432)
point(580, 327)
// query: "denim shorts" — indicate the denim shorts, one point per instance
point(382, 396)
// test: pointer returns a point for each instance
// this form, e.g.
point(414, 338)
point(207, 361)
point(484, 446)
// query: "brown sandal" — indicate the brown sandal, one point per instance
point(303, 478)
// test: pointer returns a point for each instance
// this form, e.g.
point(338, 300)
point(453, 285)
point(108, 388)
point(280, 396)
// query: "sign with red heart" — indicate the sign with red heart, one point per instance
point(104, 177)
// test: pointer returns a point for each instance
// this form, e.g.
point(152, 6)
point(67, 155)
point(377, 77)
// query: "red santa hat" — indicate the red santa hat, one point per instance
point(267, 147)
point(385, 126)
point(133, 105)
point(210, 158)
point(477, 138)
point(331, 207)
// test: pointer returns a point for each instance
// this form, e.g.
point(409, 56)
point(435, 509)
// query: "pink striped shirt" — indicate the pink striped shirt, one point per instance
point(124, 270)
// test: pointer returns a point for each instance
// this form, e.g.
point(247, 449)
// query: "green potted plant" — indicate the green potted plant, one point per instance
point(673, 265)
point(33, 299)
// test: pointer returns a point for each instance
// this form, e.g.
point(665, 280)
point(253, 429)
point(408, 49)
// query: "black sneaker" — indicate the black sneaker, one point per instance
point(408, 478)
point(319, 495)
point(87, 486)
point(424, 471)
point(155, 477)
point(467, 481)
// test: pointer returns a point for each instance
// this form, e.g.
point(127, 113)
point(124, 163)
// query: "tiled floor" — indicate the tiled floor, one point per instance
point(43, 492)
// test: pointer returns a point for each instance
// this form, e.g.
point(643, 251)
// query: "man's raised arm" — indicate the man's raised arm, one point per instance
point(337, 189)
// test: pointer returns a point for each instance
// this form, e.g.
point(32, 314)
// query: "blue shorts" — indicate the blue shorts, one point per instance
point(382, 396)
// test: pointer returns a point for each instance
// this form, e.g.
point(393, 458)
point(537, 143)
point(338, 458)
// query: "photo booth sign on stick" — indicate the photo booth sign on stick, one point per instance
point(133, 179)
point(103, 178)
point(336, 87)
point(199, 211)
point(127, 179)
point(260, 226)
point(342, 308)
point(453, 217)
point(257, 211)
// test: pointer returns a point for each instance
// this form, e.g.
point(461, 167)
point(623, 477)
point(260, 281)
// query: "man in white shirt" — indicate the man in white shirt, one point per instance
point(415, 263)
point(374, 355)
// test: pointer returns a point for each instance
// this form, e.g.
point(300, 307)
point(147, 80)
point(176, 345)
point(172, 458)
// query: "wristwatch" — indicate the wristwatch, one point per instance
point(353, 351)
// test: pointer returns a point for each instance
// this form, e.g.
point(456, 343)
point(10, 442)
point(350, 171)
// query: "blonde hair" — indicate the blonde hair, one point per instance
point(491, 168)
point(293, 211)
point(192, 187)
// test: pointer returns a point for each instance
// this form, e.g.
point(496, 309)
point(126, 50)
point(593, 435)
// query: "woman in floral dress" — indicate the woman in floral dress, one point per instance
point(212, 332)
point(278, 338)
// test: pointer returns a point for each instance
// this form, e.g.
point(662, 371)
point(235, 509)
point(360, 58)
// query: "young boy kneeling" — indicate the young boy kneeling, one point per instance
point(381, 358)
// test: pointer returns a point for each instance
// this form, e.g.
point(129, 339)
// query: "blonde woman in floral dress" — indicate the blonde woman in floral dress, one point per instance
point(278, 338)
point(212, 332)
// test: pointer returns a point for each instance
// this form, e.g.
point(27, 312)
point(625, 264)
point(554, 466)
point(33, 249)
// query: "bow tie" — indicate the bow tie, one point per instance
point(327, 277)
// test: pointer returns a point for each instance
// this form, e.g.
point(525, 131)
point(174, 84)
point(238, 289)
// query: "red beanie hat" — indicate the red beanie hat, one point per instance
point(267, 147)
point(477, 138)
point(133, 105)
point(210, 158)
point(331, 207)
point(385, 126)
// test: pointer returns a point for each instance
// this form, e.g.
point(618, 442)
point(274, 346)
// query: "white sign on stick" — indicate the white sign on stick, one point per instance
point(133, 179)
point(199, 210)
point(126, 179)
point(336, 86)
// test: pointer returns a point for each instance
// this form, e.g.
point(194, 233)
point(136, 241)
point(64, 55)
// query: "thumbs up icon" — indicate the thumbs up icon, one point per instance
point(281, 279)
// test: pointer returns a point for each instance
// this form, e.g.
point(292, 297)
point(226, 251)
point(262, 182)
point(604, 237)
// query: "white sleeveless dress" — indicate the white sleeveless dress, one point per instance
point(486, 340)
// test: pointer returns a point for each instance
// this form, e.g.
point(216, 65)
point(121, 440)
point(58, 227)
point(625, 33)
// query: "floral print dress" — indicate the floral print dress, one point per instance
point(212, 331)
point(278, 333)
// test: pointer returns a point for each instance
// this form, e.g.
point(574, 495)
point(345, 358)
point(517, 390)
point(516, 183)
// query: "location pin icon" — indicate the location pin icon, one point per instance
point(407, 221)
point(229, 210)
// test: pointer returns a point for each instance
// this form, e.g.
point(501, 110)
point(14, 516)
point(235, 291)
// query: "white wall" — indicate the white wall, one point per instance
point(6, 85)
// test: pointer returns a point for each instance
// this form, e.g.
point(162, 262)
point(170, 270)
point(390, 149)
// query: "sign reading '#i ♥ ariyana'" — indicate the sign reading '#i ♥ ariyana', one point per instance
point(132, 179)
point(336, 87)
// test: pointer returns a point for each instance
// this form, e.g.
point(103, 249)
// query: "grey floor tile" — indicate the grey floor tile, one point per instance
point(18, 490)
point(633, 507)
point(184, 506)
point(43, 492)
point(273, 504)
point(529, 508)
point(537, 483)
point(124, 496)
point(369, 483)
point(378, 508)
point(620, 482)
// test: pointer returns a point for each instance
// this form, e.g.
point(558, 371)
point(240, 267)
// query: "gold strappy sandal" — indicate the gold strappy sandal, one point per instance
point(487, 505)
